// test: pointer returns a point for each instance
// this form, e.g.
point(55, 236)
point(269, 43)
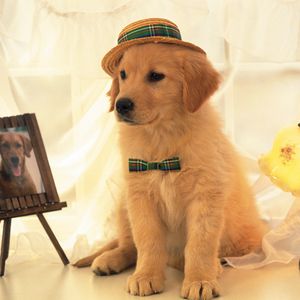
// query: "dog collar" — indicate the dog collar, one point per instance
point(138, 165)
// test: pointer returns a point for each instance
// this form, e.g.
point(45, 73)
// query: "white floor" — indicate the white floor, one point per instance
point(38, 280)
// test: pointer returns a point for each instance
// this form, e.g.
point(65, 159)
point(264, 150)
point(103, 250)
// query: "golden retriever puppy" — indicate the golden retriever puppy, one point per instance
point(15, 179)
point(188, 218)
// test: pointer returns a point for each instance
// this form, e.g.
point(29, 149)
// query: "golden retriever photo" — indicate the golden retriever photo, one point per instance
point(188, 217)
point(15, 179)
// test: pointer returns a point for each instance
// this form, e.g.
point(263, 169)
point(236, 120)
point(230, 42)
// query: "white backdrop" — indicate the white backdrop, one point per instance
point(50, 65)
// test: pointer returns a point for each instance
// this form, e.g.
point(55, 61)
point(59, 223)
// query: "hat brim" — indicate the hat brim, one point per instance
point(112, 58)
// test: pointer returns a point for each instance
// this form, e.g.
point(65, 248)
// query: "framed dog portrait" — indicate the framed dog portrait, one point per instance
point(26, 182)
point(20, 175)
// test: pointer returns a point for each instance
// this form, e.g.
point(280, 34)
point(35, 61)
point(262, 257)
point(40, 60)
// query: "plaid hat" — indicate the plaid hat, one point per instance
point(152, 30)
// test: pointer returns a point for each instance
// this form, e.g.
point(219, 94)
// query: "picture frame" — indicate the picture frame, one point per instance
point(25, 190)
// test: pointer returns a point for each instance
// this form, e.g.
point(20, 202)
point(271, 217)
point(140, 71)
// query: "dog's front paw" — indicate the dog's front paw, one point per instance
point(144, 285)
point(200, 290)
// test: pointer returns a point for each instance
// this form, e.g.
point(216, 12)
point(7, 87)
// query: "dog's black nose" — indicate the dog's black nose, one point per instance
point(124, 105)
point(14, 160)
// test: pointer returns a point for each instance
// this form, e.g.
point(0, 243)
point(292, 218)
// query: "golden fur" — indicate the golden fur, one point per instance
point(190, 218)
point(14, 148)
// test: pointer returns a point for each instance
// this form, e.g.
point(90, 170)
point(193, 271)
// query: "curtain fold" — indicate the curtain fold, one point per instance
point(50, 64)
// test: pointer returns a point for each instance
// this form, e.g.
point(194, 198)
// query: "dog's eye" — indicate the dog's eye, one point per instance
point(153, 76)
point(123, 74)
point(5, 145)
point(18, 145)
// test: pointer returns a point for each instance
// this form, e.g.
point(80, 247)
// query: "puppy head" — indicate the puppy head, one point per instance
point(13, 149)
point(157, 82)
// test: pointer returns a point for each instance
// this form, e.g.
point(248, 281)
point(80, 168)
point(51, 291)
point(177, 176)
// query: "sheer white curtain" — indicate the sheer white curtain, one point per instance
point(50, 64)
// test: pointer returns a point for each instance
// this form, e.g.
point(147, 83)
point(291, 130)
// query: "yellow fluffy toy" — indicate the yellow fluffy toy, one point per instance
point(282, 163)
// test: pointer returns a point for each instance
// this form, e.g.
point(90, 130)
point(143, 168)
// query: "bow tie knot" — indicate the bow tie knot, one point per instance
point(138, 165)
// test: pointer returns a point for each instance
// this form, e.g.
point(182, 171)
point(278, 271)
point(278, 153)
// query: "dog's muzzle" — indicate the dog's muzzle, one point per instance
point(15, 160)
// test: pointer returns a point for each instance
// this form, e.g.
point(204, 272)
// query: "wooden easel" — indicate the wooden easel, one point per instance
point(6, 241)
point(37, 204)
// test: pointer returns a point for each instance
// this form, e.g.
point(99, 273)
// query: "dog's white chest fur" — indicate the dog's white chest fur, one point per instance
point(172, 214)
point(170, 206)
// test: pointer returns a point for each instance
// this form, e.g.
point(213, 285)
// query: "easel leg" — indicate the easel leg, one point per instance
point(5, 244)
point(53, 239)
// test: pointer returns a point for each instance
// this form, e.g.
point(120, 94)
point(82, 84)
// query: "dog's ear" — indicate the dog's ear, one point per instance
point(200, 80)
point(27, 145)
point(113, 92)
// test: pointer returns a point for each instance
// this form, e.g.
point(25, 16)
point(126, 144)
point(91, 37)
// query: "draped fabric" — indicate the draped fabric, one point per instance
point(50, 65)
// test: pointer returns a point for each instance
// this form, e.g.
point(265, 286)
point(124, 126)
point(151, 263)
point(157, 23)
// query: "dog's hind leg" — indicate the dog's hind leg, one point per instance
point(117, 255)
point(114, 261)
point(87, 261)
point(122, 256)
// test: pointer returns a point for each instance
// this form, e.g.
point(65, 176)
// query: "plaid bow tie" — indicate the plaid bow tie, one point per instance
point(138, 165)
